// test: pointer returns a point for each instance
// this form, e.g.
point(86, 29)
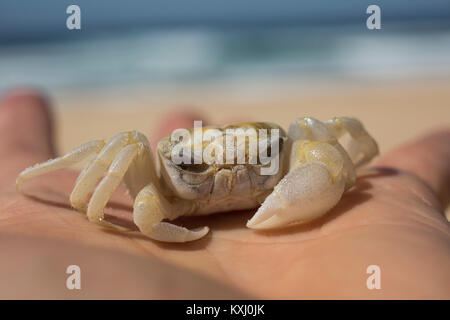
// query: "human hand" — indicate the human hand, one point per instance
point(393, 218)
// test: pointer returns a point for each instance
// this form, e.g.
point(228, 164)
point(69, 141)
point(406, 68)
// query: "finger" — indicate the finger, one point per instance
point(172, 121)
point(427, 157)
point(25, 125)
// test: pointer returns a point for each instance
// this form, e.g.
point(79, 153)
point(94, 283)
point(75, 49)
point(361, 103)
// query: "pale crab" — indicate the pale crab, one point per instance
point(317, 163)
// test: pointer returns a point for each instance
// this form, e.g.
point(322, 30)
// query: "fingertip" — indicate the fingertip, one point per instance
point(23, 93)
point(26, 121)
point(173, 120)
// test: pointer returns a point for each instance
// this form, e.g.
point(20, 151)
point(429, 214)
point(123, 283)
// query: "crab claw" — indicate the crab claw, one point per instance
point(168, 232)
point(307, 192)
point(151, 207)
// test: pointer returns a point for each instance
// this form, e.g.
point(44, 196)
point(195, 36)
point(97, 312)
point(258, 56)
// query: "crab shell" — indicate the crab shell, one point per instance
point(219, 187)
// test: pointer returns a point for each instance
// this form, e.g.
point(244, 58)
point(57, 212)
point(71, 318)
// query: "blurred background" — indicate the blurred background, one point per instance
point(133, 61)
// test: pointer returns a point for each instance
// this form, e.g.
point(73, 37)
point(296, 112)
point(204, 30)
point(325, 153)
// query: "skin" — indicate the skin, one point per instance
point(393, 218)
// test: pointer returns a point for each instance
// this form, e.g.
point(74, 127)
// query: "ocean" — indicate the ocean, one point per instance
point(160, 56)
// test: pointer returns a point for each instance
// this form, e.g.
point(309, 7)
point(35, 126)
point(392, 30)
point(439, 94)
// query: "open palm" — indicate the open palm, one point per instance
point(393, 219)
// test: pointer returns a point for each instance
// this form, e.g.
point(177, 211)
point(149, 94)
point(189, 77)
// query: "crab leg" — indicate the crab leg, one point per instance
point(89, 177)
point(109, 183)
point(361, 147)
point(143, 170)
point(312, 129)
point(151, 207)
point(314, 185)
point(74, 156)
point(320, 171)
point(135, 165)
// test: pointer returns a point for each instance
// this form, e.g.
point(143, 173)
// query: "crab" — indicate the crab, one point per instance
point(316, 164)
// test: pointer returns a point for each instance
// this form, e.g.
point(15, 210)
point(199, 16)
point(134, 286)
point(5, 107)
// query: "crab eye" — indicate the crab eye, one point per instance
point(269, 147)
point(194, 168)
point(195, 174)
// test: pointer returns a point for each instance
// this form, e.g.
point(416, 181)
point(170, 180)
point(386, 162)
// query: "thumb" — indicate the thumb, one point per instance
point(428, 157)
point(25, 128)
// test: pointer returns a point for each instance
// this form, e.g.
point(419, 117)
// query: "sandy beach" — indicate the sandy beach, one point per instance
point(393, 112)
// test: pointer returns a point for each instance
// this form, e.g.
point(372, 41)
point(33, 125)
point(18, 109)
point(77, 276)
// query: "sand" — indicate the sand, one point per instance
point(392, 111)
